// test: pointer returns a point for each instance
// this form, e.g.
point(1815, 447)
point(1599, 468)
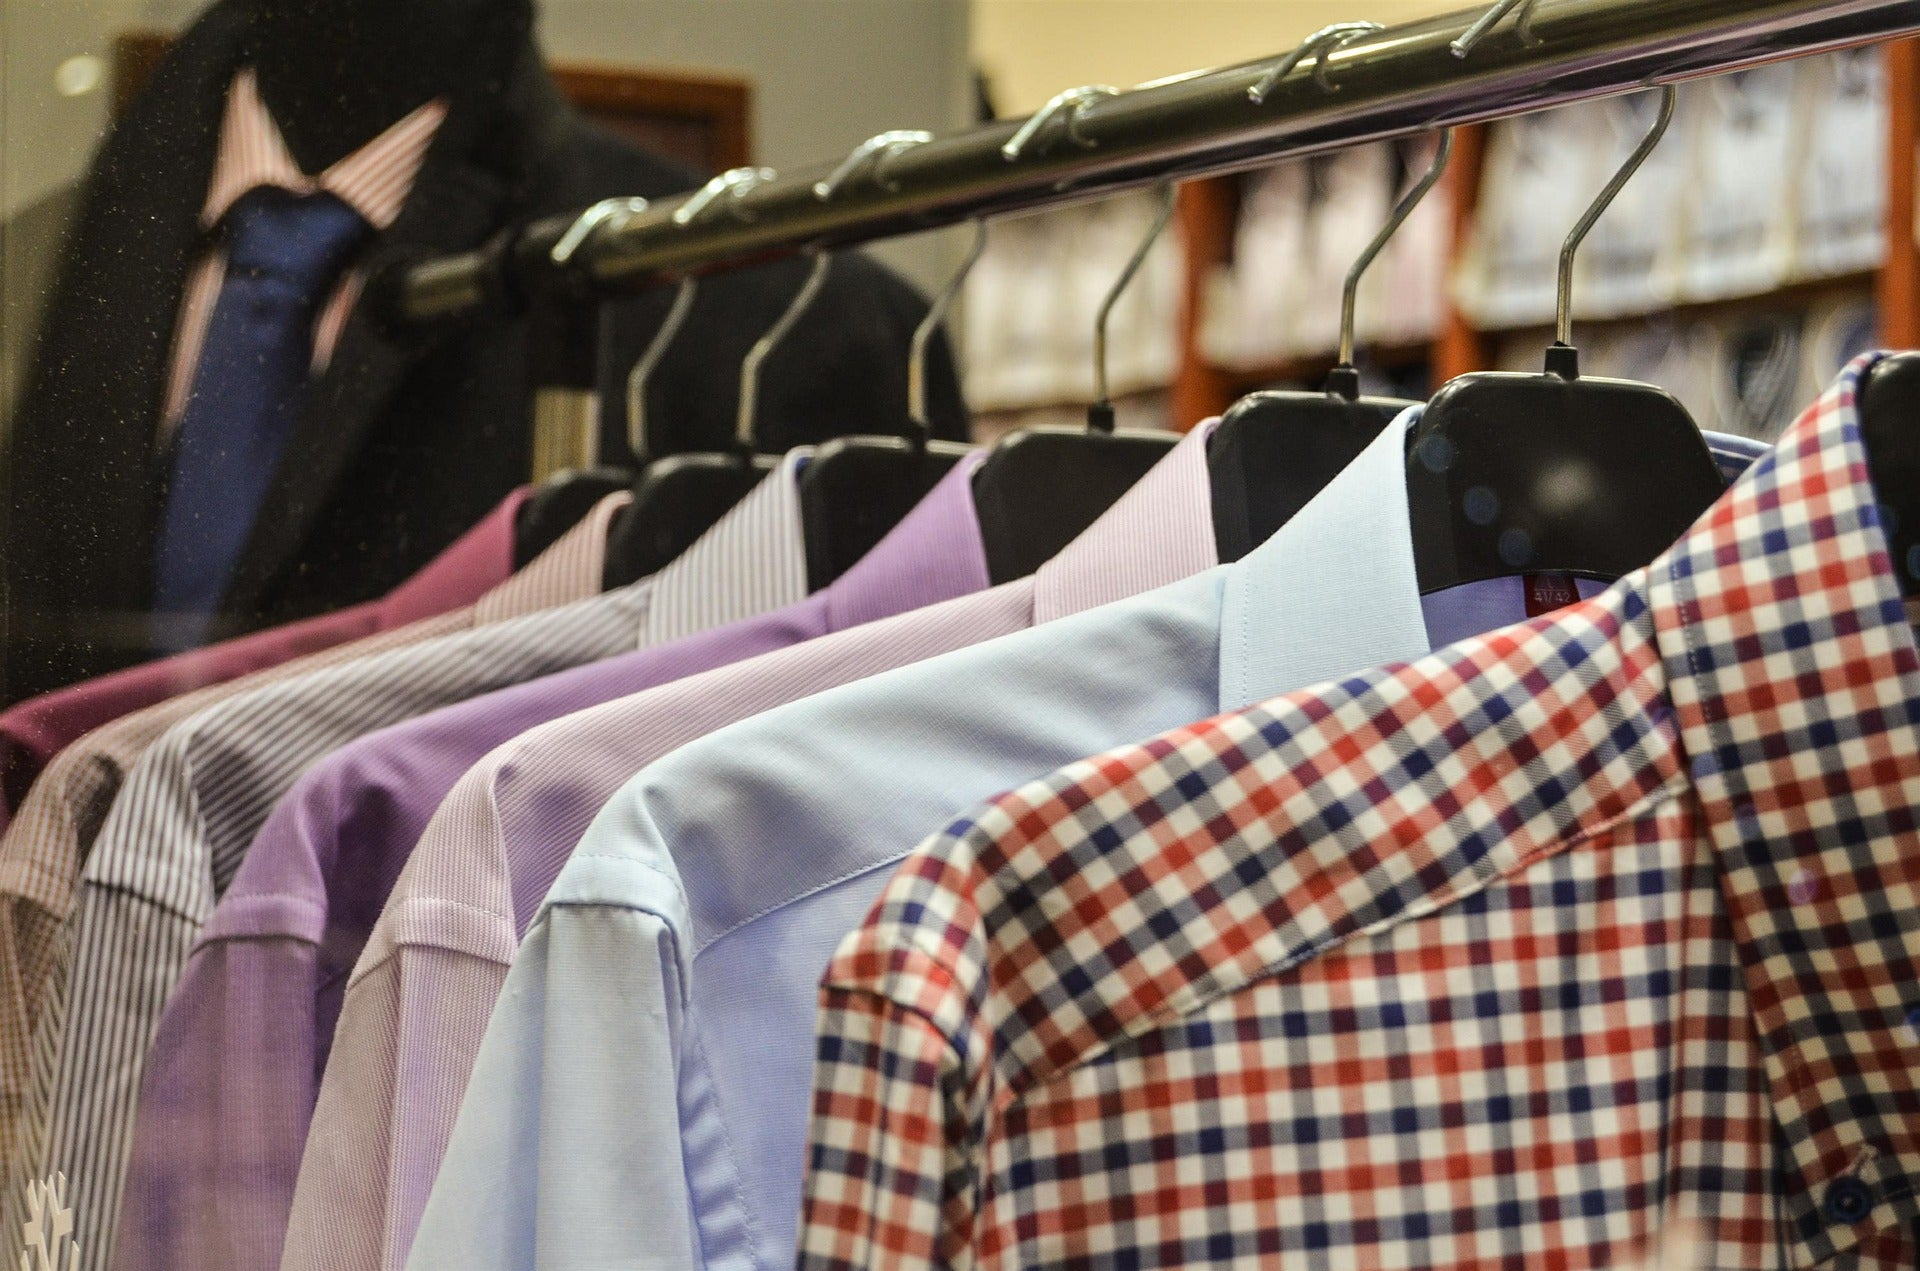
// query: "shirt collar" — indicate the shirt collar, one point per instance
point(570, 570)
point(1343, 564)
point(935, 553)
point(752, 561)
point(1347, 556)
point(1159, 532)
point(485, 551)
point(374, 180)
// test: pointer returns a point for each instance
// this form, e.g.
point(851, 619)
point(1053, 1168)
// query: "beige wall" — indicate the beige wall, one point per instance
point(1031, 49)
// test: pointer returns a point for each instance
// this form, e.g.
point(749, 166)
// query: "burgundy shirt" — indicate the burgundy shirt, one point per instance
point(34, 731)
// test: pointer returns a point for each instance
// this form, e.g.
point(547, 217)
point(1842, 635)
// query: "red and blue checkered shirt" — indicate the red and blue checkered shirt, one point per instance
point(1509, 957)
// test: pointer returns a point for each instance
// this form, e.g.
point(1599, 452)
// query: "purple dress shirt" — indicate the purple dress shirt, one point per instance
point(230, 1082)
point(34, 731)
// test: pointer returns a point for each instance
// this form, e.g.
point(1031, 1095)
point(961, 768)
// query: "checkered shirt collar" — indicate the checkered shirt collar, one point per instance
point(1759, 678)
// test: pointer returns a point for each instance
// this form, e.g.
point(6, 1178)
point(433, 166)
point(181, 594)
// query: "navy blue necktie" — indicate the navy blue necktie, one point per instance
point(285, 254)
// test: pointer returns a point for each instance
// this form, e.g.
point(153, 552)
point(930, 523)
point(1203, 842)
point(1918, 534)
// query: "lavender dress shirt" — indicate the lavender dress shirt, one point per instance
point(230, 1083)
point(34, 731)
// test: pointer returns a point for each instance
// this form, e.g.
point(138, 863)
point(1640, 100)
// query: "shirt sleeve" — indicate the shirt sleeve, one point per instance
point(128, 953)
point(889, 1176)
point(403, 1051)
point(222, 1114)
point(567, 1151)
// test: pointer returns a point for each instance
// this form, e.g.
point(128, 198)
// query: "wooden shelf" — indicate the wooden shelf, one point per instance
point(1210, 207)
point(1898, 286)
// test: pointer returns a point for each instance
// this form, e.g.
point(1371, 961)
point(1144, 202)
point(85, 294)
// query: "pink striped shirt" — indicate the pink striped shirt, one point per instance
point(374, 181)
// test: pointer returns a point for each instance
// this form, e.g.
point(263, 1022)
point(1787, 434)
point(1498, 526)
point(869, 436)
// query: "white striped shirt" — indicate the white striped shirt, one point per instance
point(374, 181)
point(55, 835)
point(189, 810)
point(756, 565)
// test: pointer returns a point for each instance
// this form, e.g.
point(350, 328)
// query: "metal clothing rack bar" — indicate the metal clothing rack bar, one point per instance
point(1366, 87)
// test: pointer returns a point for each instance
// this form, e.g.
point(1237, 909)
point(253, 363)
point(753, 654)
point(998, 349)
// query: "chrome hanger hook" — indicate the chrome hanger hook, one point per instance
point(1349, 296)
point(1492, 18)
point(590, 221)
point(642, 373)
point(923, 334)
point(1318, 46)
point(1065, 105)
point(732, 185)
point(1563, 314)
point(873, 152)
point(756, 356)
point(725, 190)
point(1100, 417)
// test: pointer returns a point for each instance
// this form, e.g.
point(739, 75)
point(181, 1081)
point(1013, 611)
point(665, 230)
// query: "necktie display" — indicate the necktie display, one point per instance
point(1390, 813)
point(284, 254)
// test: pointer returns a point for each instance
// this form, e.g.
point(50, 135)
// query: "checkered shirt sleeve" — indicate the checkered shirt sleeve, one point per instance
point(1512, 956)
point(897, 1114)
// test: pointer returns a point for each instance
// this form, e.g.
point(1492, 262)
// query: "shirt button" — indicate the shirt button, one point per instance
point(1848, 1200)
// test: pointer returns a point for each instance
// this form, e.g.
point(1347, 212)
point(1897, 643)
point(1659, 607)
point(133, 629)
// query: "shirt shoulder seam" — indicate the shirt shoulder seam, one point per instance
point(671, 878)
point(1667, 791)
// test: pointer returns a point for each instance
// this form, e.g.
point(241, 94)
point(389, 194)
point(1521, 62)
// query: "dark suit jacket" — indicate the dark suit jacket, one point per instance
point(405, 443)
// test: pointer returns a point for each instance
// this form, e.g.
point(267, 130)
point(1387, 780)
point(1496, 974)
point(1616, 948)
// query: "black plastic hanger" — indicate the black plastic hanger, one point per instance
point(1890, 418)
point(1559, 473)
point(855, 489)
point(1041, 488)
point(679, 498)
point(1274, 451)
point(675, 501)
point(559, 505)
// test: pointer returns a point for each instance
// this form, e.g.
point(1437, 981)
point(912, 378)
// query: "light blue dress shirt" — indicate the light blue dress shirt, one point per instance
point(641, 1096)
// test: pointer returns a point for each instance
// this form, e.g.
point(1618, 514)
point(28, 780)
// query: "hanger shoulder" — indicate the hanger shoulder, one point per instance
point(558, 506)
point(856, 489)
point(675, 501)
point(1511, 473)
point(1042, 487)
point(1274, 451)
point(1890, 419)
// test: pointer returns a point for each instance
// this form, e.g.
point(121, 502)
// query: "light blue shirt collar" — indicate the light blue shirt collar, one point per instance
point(1343, 564)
